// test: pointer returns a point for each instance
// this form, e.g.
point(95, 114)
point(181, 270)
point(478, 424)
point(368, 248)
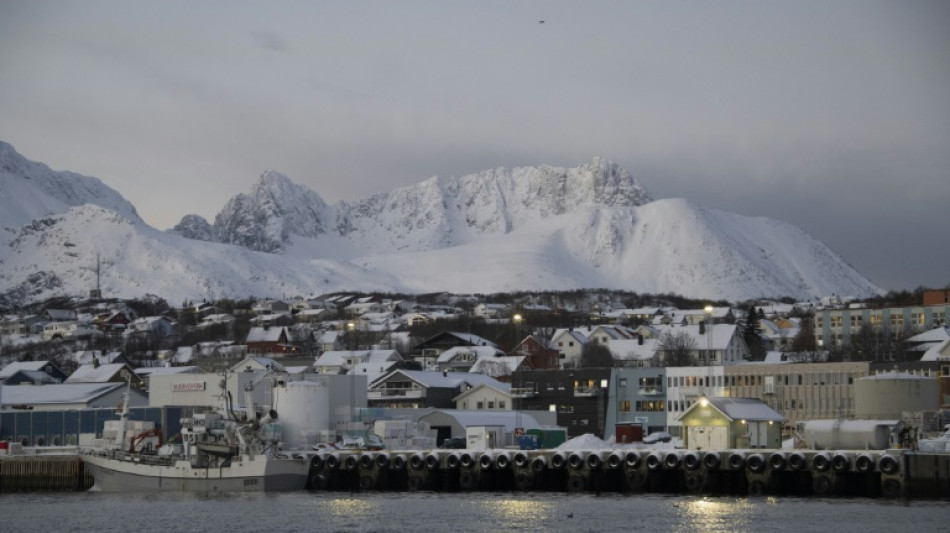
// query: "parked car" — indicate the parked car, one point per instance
point(453, 443)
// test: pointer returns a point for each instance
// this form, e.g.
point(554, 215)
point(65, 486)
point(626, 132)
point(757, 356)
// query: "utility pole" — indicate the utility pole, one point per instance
point(96, 293)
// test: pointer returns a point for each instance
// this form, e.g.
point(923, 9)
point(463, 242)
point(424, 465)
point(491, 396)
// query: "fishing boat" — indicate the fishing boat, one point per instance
point(219, 452)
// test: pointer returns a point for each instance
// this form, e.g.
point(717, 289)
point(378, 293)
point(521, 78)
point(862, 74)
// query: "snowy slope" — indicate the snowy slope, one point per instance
point(31, 190)
point(664, 246)
point(53, 256)
point(542, 228)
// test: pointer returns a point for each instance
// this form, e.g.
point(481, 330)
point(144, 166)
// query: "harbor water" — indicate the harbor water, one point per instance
point(458, 513)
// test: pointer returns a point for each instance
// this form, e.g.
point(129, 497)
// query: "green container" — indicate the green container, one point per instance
point(549, 438)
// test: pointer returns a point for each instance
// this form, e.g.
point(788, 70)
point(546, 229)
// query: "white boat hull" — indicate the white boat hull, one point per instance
point(245, 475)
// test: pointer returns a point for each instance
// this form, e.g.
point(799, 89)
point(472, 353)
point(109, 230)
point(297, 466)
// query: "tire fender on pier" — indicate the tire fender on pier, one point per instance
point(755, 463)
point(711, 460)
point(864, 463)
point(841, 462)
point(778, 461)
point(796, 461)
point(821, 462)
point(889, 465)
point(691, 460)
point(539, 464)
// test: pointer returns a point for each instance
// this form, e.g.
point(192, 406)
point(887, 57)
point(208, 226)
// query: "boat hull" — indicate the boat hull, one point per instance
point(260, 474)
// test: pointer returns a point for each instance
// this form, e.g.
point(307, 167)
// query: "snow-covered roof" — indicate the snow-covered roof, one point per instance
point(56, 394)
point(509, 419)
point(166, 370)
point(480, 352)
point(444, 380)
point(13, 368)
point(934, 335)
point(503, 388)
point(39, 377)
point(744, 409)
point(632, 349)
point(372, 370)
point(498, 366)
point(578, 334)
point(472, 339)
point(259, 334)
point(95, 374)
point(721, 335)
point(85, 357)
point(937, 352)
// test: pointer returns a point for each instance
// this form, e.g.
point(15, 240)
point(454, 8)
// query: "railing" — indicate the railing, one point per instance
point(524, 392)
point(650, 391)
point(380, 394)
point(586, 392)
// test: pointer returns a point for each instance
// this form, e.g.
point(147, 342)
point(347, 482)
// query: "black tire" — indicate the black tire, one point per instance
point(777, 462)
point(891, 488)
point(889, 465)
point(524, 481)
point(695, 483)
point(367, 482)
point(756, 488)
point(576, 484)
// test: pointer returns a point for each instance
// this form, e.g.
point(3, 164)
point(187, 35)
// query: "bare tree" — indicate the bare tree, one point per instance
point(677, 349)
point(595, 355)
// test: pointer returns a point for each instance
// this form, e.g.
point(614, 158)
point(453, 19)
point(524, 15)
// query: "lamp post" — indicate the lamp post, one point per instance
point(517, 320)
point(351, 329)
point(708, 309)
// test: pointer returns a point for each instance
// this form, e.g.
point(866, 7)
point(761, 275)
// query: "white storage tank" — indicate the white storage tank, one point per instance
point(886, 396)
point(841, 434)
point(303, 408)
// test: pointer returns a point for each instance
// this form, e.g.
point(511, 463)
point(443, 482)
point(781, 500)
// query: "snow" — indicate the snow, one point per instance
point(533, 228)
point(591, 442)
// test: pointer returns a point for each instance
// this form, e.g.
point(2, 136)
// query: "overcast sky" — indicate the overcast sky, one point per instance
point(831, 115)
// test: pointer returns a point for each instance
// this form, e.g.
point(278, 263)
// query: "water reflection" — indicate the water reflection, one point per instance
point(719, 514)
point(518, 510)
point(351, 507)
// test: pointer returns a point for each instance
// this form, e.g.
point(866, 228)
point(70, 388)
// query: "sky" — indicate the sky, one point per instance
point(832, 115)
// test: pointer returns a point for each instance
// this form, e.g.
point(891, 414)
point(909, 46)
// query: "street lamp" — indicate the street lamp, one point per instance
point(351, 329)
point(517, 320)
point(708, 309)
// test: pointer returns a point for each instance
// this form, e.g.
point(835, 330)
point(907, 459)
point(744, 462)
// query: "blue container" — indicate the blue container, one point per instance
point(528, 442)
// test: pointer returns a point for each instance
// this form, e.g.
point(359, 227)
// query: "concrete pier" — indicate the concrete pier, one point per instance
point(754, 472)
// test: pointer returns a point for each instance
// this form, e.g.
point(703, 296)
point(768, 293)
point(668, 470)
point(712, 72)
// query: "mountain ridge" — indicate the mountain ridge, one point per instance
point(528, 228)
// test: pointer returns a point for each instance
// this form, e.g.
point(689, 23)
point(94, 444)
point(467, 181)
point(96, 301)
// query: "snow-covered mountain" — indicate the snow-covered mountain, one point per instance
point(542, 228)
point(30, 190)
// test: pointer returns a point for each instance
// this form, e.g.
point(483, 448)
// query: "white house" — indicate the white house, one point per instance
point(485, 397)
point(569, 343)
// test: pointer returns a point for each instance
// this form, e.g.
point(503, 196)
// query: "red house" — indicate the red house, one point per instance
point(539, 354)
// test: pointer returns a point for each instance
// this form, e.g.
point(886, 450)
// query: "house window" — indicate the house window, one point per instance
point(501, 404)
point(479, 405)
point(552, 408)
point(491, 405)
